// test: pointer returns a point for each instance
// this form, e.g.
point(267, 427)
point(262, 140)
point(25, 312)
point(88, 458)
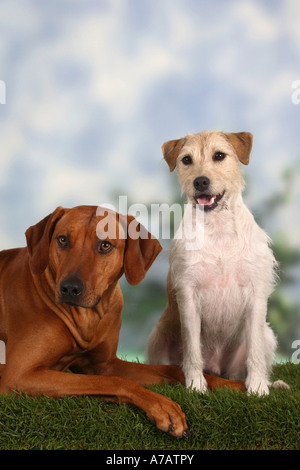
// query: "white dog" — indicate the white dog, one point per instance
point(215, 319)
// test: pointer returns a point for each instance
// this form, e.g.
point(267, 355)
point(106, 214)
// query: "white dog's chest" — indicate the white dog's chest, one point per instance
point(222, 285)
point(219, 272)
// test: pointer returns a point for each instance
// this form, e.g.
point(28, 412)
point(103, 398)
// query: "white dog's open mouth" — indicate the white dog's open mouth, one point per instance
point(208, 201)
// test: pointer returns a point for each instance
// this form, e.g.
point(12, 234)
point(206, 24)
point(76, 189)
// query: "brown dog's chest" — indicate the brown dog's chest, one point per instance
point(86, 322)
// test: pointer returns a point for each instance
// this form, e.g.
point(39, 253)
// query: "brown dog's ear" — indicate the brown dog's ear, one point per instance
point(242, 144)
point(171, 151)
point(38, 240)
point(141, 250)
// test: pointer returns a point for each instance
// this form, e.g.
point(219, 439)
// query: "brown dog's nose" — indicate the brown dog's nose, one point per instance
point(201, 183)
point(71, 289)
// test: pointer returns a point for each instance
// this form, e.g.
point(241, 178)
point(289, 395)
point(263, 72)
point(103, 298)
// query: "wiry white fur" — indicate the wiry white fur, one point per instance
point(215, 320)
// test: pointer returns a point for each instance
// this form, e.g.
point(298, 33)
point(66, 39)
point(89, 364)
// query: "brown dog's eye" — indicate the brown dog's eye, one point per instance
point(187, 160)
point(219, 156)
point(105, 247)
point(63, 241)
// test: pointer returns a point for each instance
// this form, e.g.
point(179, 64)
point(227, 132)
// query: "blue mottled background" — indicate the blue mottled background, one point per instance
point(93, 89)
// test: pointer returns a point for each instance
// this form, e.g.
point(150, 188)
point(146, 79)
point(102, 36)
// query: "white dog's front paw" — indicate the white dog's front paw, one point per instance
point(196, 381)
point(257, 386)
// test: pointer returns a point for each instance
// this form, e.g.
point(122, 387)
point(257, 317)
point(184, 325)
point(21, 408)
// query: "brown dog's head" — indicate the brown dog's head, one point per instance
point(88, 248)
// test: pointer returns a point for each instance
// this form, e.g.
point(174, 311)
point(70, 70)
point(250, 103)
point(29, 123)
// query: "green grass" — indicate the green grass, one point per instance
point(222, 419)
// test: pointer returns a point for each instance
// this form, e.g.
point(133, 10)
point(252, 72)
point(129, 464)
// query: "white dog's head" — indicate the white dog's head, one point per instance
point(208, 166)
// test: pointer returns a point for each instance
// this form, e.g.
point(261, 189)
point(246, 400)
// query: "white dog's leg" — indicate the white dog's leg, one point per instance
point(190, 332)
point(261, 345)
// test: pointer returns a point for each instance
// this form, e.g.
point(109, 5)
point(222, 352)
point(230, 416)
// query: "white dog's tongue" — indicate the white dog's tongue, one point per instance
point(206, 200)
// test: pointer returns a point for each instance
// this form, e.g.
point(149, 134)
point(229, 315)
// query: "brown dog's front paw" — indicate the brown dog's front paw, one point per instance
point(169, 417)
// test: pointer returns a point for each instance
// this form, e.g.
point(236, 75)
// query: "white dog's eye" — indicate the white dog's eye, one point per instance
point(187, 160)
point(219, 156)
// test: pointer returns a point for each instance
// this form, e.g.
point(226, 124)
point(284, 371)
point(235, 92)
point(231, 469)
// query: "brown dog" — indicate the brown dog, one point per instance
point(60, 307)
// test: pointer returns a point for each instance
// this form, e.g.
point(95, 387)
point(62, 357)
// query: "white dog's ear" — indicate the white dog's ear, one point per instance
point(171, 151)
point(242, 144)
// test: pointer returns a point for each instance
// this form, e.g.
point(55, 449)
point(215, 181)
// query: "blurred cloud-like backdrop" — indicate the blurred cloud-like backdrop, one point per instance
point(94, 87)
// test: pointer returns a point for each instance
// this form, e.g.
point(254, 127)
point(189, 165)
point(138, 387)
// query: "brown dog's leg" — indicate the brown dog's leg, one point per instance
point(145, 374)
point(217, 382)
point(167, 414)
